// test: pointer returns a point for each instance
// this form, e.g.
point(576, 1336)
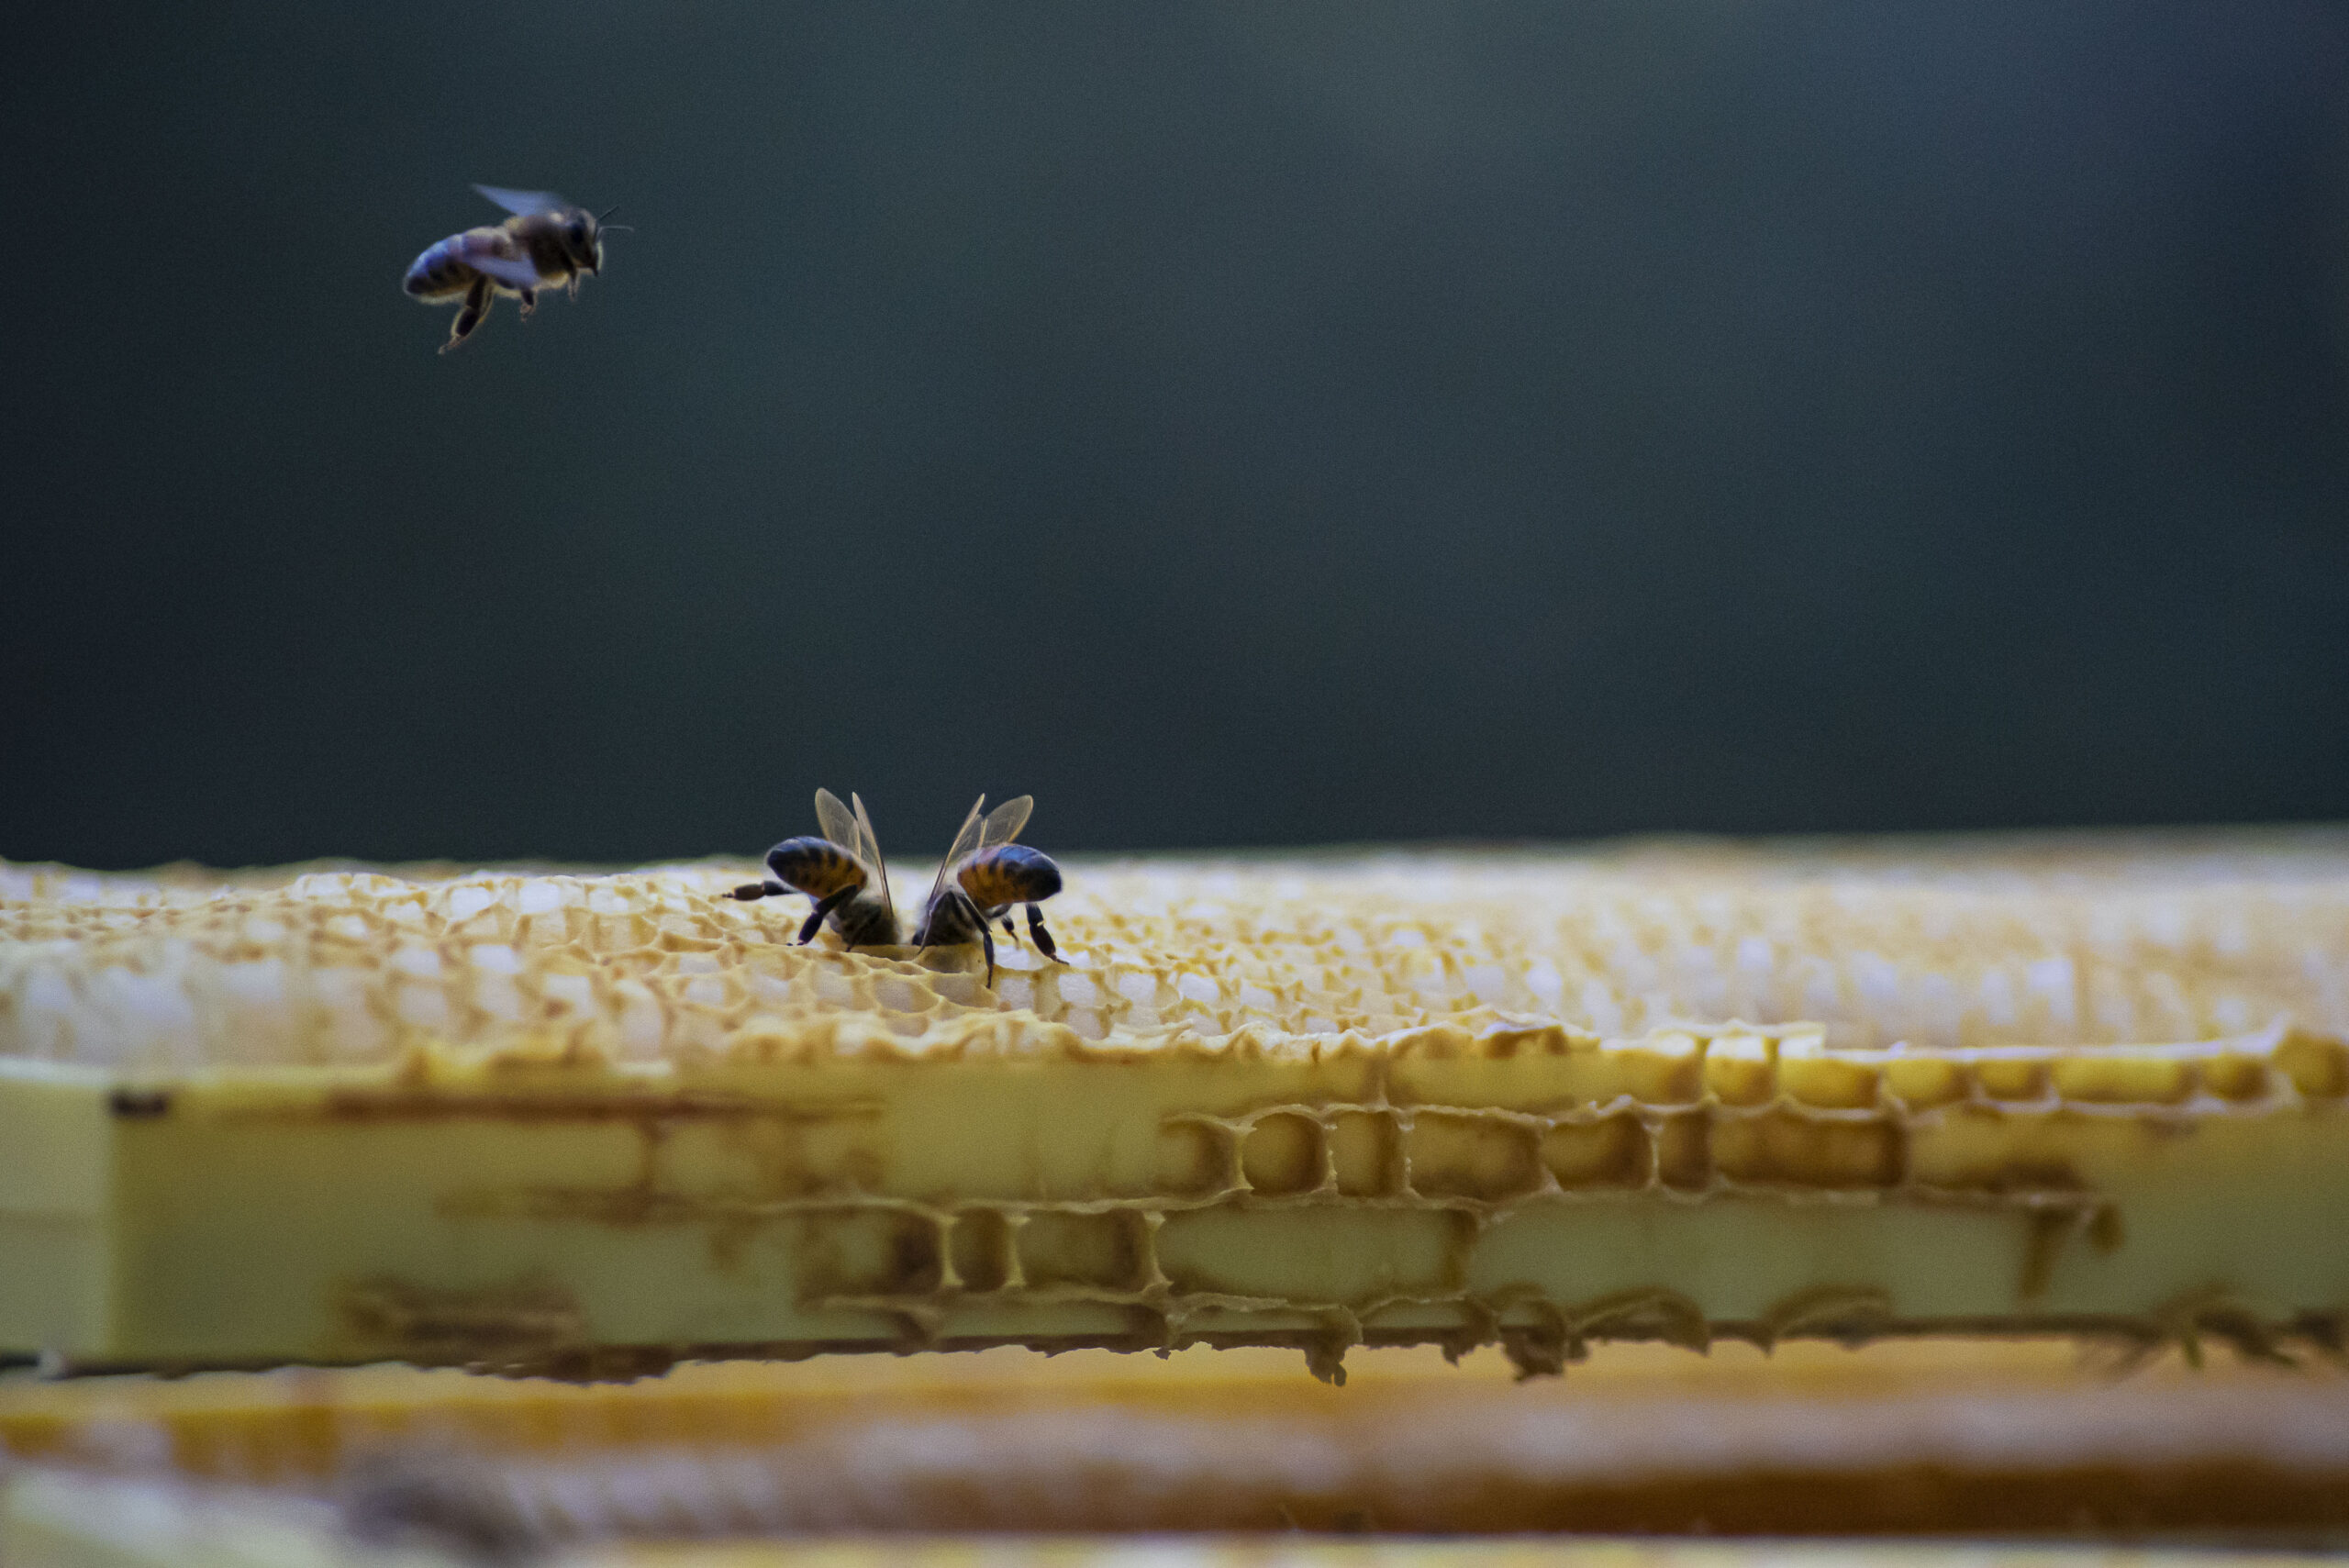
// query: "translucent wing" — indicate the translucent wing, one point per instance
point(869, 848)
point(522, 204)
point(506, 270)
point(492, 251)
point(964, 843)
point(1006, 820)
point(834, 819)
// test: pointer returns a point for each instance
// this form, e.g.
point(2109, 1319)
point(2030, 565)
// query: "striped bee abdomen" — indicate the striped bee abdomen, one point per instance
point(438, 273)
point(450, 265)
point(816, 867)
point(1009, 873)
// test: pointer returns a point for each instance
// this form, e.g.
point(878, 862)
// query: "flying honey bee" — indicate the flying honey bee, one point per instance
point(841, 871)
point(982, 877)
point(546, 242)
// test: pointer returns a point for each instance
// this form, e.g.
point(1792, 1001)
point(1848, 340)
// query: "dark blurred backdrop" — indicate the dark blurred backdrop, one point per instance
point(1236, 424)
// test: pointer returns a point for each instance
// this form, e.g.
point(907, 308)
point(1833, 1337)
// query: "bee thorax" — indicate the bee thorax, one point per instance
point(867, 921)
point(949, 922)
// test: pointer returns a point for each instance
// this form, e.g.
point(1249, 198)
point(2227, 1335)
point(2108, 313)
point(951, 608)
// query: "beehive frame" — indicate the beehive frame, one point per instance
point(593, 1125)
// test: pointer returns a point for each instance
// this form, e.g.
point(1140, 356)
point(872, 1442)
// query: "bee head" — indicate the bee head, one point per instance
point(583, 240)
point(589, 229)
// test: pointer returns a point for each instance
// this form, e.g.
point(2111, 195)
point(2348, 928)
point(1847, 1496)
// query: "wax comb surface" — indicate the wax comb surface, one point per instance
point(592, 1124)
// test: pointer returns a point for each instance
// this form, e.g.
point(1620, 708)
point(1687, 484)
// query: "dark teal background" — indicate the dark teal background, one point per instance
point(1246, 424)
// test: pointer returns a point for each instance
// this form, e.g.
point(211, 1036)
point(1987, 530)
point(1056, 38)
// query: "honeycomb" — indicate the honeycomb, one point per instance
point(1928, 947)
point(1319, 1101)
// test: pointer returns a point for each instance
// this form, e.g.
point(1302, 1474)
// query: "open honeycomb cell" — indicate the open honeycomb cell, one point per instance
point(1281, 1154)
point(1611, 1152)
point(1100, 1252)
point(1364, 1153)
point(594, 1123)
point(1684, 1151)
point(981, 1250)
point(1780, 1147)
point(1484, 1157)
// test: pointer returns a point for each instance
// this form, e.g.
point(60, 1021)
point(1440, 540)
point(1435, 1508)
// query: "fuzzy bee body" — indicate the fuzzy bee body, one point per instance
point(441, 274)
point(851, 887)
point(1009, 873)
point(982, 877)
point(548, 243)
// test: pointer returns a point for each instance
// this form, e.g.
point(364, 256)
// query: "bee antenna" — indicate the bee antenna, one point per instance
point(605, 213)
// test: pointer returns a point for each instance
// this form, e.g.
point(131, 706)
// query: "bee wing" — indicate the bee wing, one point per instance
point(869, 848)
point(506, 270)
point(834, 817)
point(493, 253)
point(964, 843)
point(522, 204)
point(1005, 821)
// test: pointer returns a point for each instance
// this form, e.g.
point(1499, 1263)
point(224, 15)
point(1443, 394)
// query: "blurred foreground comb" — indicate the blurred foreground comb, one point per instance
point(1969, 1436)
point(589, 1126)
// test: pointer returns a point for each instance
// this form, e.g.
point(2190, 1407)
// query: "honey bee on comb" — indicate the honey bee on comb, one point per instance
point(982, 877)
point(841, 871)
point(548, 241)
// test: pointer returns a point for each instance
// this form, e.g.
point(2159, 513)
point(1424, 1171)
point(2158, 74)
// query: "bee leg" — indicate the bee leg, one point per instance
point(1042, 938)
point(823, 907)
point(469, 314)
point(574, 288)
point(767, 889)
point(530, 301)
point(1008, 928)
point(986, 933)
